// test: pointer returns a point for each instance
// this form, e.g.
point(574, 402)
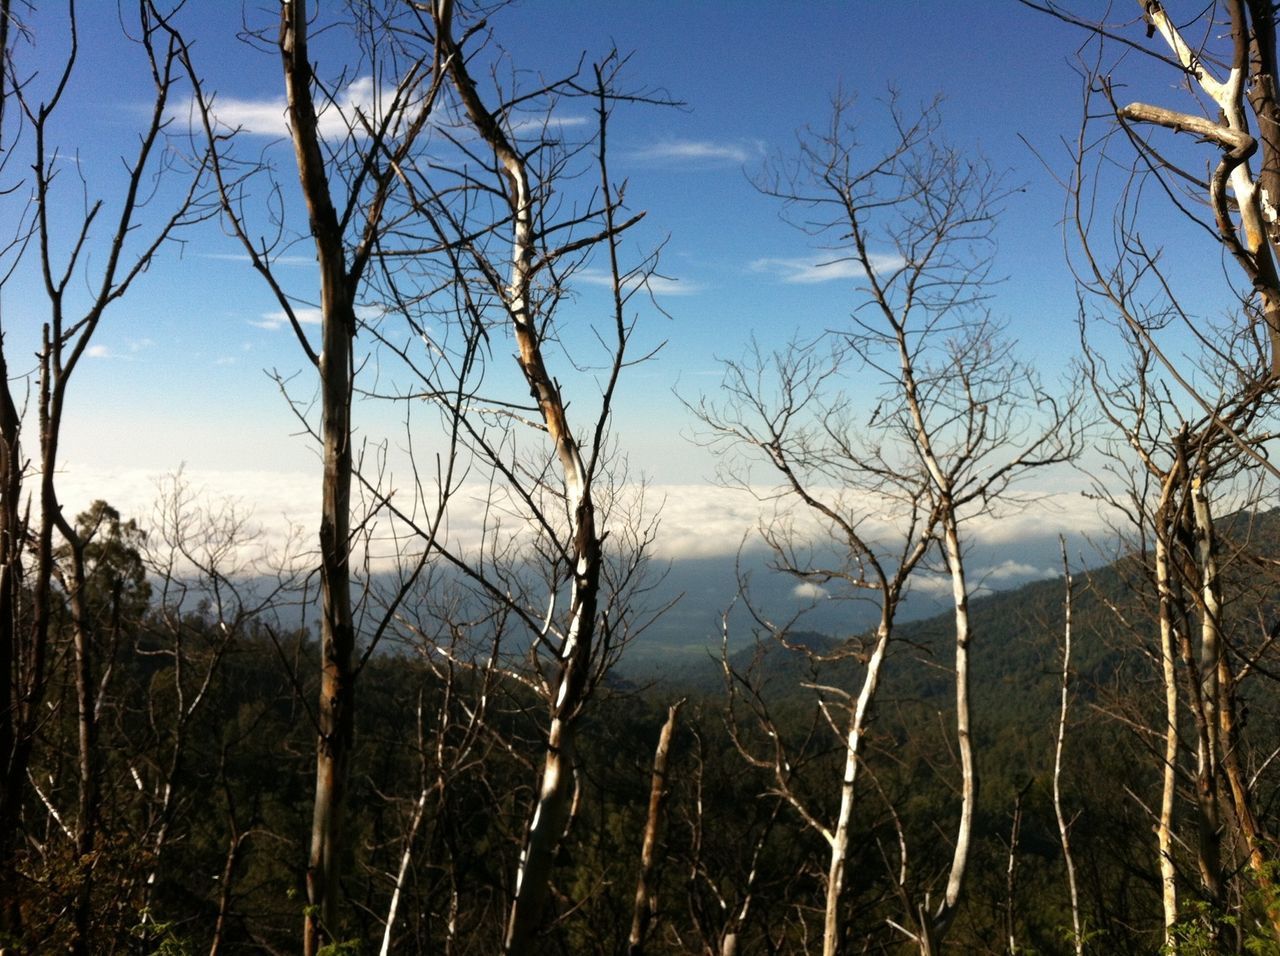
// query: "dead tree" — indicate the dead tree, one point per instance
point(130, 242)
point(562, 487)
point(1189, 431)
point(645, 907)
point(957, 421)
point(1059, 744)
point(1230, 75)
point(346, 188)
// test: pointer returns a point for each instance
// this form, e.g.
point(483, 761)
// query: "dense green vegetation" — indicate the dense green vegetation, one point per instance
point(204, 818)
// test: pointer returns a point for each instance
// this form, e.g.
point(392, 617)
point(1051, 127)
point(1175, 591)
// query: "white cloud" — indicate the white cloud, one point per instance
point(272, 321)
point(102, 352)
point(268, 116)
point(695, 521)
point(244, 257)
point(807, 272)
point(930, 585)
point(98, 351)
point(808, 591)
point(699, 152)
point(1011, 570)
point(658, 285)
point(536, 123)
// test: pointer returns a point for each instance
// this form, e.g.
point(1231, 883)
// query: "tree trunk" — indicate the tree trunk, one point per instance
point(969, 774)
point(1222, 710)
point(646, 900)
point(419, 809)
point(87, 739)
point(852, 755)
point(570, 687)
point(1064, 834)
point(12, 767)
point(337, 633)
point(1164, 831)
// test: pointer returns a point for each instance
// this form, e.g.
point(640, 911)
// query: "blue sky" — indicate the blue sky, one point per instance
point(179, 369)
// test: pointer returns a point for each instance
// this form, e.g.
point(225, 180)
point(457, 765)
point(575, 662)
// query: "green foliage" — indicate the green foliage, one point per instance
point(1199, 932)
point(346, 947)
point(246, 766)
point(115, 578)
point(159, 939)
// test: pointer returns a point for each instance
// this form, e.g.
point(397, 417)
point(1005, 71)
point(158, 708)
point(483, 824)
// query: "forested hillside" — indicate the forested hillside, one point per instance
point(207, 769)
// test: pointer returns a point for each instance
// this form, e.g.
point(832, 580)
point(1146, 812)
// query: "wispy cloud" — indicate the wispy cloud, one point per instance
point(535, 123)
point(272, 321)
point(111, 353)
point(808, 272)
point(658, 285)
point(701, 152)
point(267, 116)
point(244, 257)
point(1011, 570)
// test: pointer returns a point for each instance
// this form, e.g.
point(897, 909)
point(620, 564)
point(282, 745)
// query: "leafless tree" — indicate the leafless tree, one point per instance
point(1188, 467)
point(346, 185)
point(1060, 740)
point(1195, 416)
point(562, 488)
point(132, 228)
point(1228, 71)
point(646, 901)
point(957, 420)
point(213, 583)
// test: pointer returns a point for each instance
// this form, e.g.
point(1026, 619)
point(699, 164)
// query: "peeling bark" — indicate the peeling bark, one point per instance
point(1164, 830)
point(551, 810)
point(1252, 66)
point(645, 906)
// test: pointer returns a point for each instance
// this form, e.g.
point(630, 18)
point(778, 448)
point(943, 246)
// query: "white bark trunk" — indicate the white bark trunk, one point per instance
point(1063, 829)
point(853, 746)
point(1164, 832)
point(570, 686)
point(969, 773)
point(405, 857)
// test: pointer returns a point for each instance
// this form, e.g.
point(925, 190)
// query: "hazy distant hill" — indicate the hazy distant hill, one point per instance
point(704, 588)
point(1016, 649)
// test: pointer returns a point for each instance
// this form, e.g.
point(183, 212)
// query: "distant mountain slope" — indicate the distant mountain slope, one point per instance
point(1017, 633)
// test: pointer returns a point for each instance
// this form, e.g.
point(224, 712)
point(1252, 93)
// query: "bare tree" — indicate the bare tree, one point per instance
point(346, 186)
point(134, 233)
point(1230, 74)
point(1196, 424)
point(958, 419)
point(572, 518)
point(646, 901)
